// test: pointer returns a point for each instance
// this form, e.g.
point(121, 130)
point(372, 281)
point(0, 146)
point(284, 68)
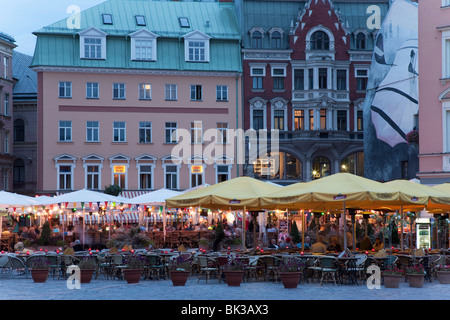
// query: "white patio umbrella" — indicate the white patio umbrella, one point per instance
point(9, 199)
point(156, 198)
point(83, 196)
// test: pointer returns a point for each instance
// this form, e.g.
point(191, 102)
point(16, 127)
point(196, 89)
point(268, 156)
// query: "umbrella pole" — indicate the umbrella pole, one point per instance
point(84, 221)
point(401, 228)
point(164, 223)
point(344, 226)
point(243, 228)
point(303, 230)
point(110, 223)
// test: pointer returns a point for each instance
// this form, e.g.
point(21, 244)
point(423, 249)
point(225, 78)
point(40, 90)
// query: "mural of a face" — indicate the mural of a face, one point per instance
point(391, 101)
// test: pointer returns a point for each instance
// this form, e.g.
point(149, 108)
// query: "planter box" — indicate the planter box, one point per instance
point(234, 278)
point(443, 277)
point(290, 280)
point(179, 278)
point(415, 280)
point(392, 280)
point(86, 275)
point(132, 275)
point(39, 275)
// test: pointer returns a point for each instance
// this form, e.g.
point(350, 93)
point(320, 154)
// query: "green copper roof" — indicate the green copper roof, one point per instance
point(58, 45)
point(161, 17)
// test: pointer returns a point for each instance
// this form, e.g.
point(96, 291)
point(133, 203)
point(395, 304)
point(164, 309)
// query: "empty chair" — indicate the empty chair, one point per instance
point(207, 267)
point(17, 265)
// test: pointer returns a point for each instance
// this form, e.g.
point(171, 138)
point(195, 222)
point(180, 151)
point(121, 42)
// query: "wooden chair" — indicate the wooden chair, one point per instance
point(271, 268)
point(329, 267)
point(156, 267)
point(6, 242)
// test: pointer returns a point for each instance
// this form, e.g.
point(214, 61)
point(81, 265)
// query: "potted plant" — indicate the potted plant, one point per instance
point(134, 268)
point(415, 275)
point(203, 244)
point(392, 277)
point(290, 273)
point(443, 273)
point(40, 268)
point(234, 272)
point(87, 268)
point(179, 270)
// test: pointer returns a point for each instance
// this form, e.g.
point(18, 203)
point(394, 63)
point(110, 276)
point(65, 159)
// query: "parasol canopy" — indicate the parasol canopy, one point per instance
point(15, 199)
point(234, 193)
point(82, 195)
point(156, 198)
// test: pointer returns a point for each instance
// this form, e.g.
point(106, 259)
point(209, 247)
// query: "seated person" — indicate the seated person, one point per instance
point(307, 243)
point(334, 245)
point(273, 244)
point(378, 244)
point(365, 244)
point(77, 246)
point(319, 246)
point(287, 244)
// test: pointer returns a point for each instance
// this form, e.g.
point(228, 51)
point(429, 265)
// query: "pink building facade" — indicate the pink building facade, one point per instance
point(434, 91)
point(144, 110)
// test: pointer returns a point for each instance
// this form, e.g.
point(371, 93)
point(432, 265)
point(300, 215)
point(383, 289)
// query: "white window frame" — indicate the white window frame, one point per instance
point(58, 164)
point(119, 91)
point(141, 127)
point(6, 142)
point(145, 91)
point(152, 175)
point(445, 128)
point(91, 87)
point(445, 3)
point(6, 104)
point(165, 165)
point(196, 132)
point(216, 169)
point(89, 175)
point(357, 68)
point(197, 174)
point(220, 88)
point(172, 130)
point(67, 86)
point(93, 129)
point(258, 104)
point(144, 35)
point(98, 163)
point(66, 130)
point(170, 92)
point(59, 175)
point(446, 54)
point(5, 67)
point(93, 33)
point(194, 92)
point(119, 160)
point(119, 130)
point(222, 133)
point(279, 104)
point(196, 37)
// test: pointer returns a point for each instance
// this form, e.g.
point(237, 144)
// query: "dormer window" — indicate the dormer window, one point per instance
point(276, 37)
point(196, 46)
point(143, 45)
point(257, 40)
point(92, 44)
point(107, 19)
point(360, 41)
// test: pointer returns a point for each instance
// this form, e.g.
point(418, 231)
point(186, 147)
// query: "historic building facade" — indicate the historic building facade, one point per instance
point(6, 111)
point(144, 98)
point(434, 91)
point(306, 66)
point(25, 125)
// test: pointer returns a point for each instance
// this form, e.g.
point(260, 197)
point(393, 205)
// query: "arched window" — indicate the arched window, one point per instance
point(276, 40)
point(256, 40)
point(19, 130)
point(354, 163)
point(19, 171)
point(320, 41)
point(321, 167)
point(360, 41)
point(280, 166)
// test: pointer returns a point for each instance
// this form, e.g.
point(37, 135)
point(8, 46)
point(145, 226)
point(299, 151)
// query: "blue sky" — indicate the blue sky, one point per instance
point(19, 18)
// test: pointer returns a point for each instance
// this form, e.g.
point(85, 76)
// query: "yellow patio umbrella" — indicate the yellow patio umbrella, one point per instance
point(234, 193)
point(242, 192)
point(337, 191)
point(440, 202)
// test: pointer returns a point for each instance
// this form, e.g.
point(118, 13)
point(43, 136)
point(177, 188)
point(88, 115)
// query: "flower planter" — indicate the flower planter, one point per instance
point(132, 275)
point(179, 278)
point(290, 280)
point(86, 275)
point(415, 280)
point(392, 280)
point(234, 278)
point(443, 277)
point(39, 275)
